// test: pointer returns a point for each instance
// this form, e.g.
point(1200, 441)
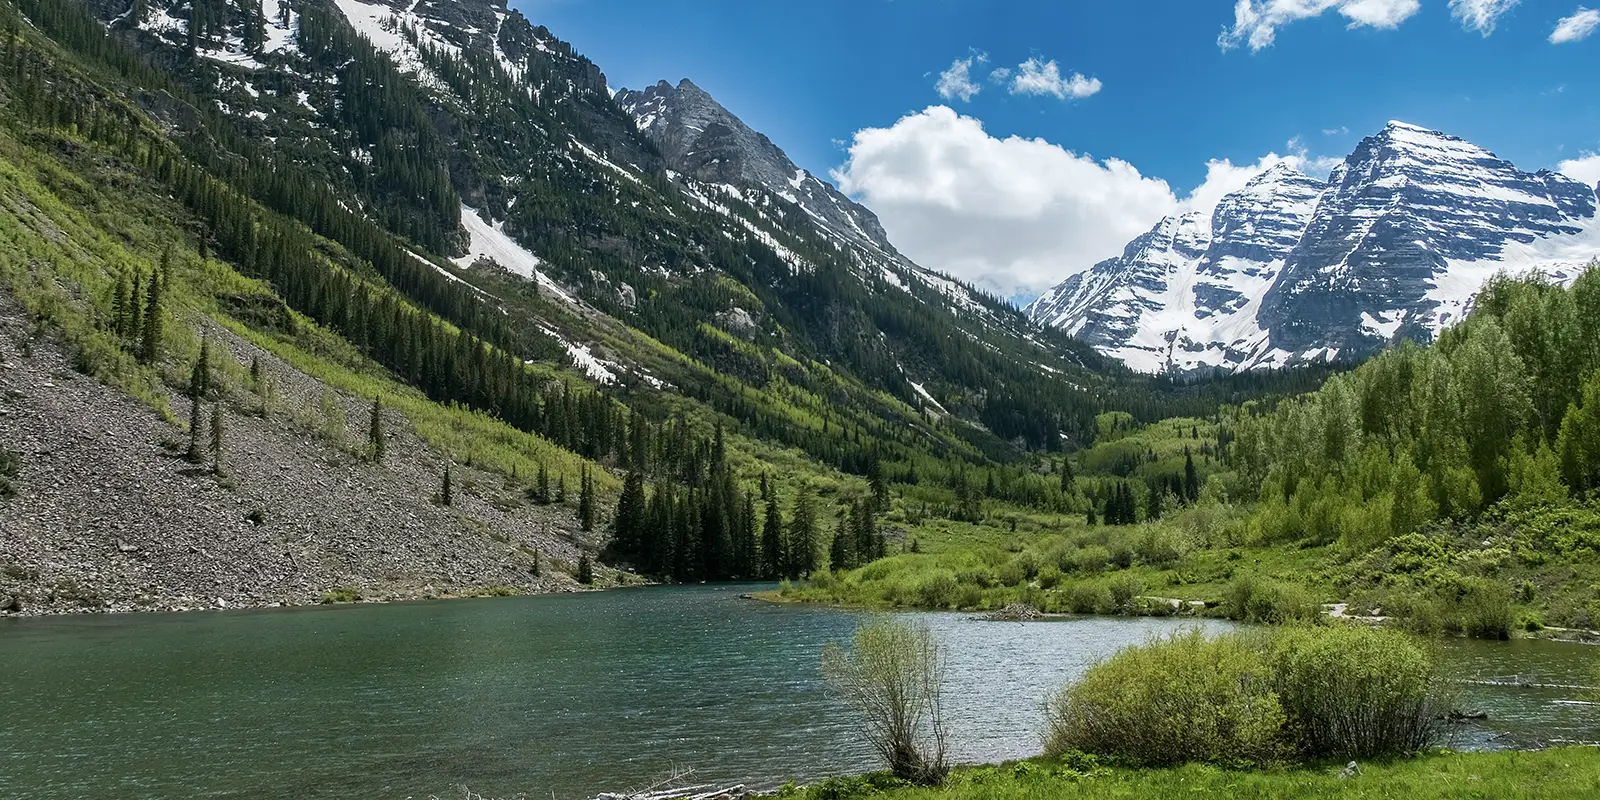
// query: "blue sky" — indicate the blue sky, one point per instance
point(1162, 91)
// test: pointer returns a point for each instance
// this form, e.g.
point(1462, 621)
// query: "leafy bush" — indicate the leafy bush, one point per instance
point(1356, 692)
point(892, 675)
point(343, 594)
point(1253, 599)
point(939, 589)
point(1093, 559)
point(1483, 610)
point(1187, 698)
point(1087, 598)
point(1124, 590)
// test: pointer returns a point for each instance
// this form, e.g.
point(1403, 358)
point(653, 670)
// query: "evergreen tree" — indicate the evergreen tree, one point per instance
point(561, 489)
point(446, 491)
point(194, 454)
point(375, 439)
point(802, 539)
point(136, 303)
point(534, 568)
point(840, 553)
point(150, 335)
point(878, 484)
point(585, 569)
point(1068, 478)
point(774, 554)
point(747, 560)
point(586, 501)
point(541, 486)
point(628, 524)
point(122, 302)
point(1191, 478)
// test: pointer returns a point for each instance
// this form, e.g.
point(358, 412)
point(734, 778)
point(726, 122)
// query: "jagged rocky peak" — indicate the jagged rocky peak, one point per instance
point(1395, 244)
point(1414, 222)
point(701, 139)
point(1184, 295)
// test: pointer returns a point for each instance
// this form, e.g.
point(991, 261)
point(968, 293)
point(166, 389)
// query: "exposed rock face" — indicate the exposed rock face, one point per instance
point(109, 517)
point(700, 138)
point(1184, 296)
point(1396, 243)
point(1408, 216)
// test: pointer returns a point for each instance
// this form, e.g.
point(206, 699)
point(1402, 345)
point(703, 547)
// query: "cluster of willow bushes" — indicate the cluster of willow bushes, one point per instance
point(1247, 699)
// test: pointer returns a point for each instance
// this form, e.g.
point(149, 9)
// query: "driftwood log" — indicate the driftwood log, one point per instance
point(675, 787)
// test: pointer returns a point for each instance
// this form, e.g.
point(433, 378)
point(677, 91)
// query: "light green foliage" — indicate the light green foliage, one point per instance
point(1251, 698)
point(1183, 699)
point(892, 675)
point(1355, 692)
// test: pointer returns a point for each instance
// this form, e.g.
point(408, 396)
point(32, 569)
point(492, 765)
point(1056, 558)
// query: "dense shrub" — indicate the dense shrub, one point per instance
point(1253, 599)
point(1087, 598)
point(1124, 590)
point(1093, 559)
point(1252, 698)
point(1483, 610)
point(939, 589)
point(10, 465)
point(1187, 698)
point(1356, 692)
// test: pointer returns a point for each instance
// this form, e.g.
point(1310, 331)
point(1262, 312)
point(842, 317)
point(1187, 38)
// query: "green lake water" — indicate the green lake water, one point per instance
point(561, 696)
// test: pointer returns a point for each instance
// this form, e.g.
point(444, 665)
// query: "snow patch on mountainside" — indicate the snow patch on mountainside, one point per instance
point(381, 25)
point(490, 242)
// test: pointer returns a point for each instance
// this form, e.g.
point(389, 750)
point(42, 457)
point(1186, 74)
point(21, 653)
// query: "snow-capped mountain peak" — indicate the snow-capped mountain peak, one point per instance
point(1184, 296)
point(1395, 243)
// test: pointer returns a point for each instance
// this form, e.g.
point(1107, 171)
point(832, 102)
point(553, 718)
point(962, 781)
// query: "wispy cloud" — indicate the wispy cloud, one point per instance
point(1577, 27)
point(1339, 131)
point(1480, 15)
point(956, 83)
point(1256, 22)
point(1037, 77)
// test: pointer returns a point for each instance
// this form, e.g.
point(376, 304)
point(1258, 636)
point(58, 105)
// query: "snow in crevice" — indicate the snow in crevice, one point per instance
point(596, 369)
point(923, 393)
point(490, 242)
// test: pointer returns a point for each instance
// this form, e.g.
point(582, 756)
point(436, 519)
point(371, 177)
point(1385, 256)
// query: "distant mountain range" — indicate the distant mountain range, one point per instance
point(1290, 269)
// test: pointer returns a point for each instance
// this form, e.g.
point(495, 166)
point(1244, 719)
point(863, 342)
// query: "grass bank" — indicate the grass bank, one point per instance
point(1554, 774)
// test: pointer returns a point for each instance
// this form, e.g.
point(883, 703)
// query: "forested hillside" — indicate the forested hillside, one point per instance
point(464, 232)
point(1450, 486)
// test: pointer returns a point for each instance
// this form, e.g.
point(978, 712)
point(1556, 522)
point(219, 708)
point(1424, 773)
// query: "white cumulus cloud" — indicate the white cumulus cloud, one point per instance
point(956, 82)
point(1012, 215)
point(1577, 27)
point(1256, 22)
point(1585, 168)
point(1480, 15)
point(1044, 78)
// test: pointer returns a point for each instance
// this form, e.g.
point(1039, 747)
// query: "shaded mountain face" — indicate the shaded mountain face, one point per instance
point(1395, 244)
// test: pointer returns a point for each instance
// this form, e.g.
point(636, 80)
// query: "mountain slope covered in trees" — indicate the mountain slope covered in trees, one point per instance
point(440, 208)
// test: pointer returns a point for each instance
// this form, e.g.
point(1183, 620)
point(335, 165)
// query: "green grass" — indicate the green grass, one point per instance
point(1547, 775)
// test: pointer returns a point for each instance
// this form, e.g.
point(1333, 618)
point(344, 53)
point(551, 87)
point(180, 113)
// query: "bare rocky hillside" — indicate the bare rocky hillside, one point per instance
point(109, 516)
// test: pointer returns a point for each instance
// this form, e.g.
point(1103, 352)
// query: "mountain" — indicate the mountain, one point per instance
point(1291, 270)
point(711, 152)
